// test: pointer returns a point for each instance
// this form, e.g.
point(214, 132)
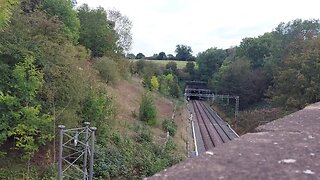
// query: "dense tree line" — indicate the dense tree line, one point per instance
point(281, 66)
point(183, 53)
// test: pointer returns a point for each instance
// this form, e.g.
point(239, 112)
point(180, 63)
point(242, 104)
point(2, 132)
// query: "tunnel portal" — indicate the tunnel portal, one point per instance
point(197, 90)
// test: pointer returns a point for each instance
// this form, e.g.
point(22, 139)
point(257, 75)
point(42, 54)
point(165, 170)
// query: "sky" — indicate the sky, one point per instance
point(159, 25)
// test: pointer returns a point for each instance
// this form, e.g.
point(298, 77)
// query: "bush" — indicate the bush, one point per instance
point(154, 83)
point(123, 67)
point(169, 126)
point(108, 70)
point(144, 135)
point(147, 111)
point(174, 90)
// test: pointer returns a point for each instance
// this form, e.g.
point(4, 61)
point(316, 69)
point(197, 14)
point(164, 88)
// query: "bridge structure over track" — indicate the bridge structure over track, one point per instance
point(200, 90)
point(197, 90)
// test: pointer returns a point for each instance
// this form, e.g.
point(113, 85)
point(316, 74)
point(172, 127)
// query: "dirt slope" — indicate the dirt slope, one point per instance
point(128, 95)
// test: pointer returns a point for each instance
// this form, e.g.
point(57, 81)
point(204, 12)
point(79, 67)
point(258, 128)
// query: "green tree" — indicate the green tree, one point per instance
point(169, 125)
point(66, 81)
point(96, 33)
point(174, 89)
point(64, 10)
point(107, 69)
point(98, 108)
point(131, 56)
point(150, 69)
point(297, 76)
point(21, 116)
point(172, 66)
point(6, 8)
point(163, 87)
point(171, 57)
point(140, 56)
point(154, 83)
point(237, 78)
point(295, 30)
point(183, 52)
point(190, 68)
point(147, 111)
point(209, 62)
point(257, 49)
point(162, 56)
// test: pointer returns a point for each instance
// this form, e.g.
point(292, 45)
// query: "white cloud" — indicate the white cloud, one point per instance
point(159, 25)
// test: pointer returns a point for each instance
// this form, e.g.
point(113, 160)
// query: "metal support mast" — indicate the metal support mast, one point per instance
point(74, 150)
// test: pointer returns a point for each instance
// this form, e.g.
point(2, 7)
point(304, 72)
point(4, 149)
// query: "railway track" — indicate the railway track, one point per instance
point(212, 130)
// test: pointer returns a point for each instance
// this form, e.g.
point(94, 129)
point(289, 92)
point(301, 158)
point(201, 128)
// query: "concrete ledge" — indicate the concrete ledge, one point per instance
point(288, 148)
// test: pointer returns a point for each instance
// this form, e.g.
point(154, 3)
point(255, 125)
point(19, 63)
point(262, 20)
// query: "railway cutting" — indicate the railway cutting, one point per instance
point(209, 129)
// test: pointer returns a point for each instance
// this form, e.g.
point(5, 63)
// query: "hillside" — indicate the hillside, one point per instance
point(128, 94)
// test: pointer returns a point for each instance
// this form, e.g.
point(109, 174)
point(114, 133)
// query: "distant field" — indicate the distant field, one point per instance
point(180, 64)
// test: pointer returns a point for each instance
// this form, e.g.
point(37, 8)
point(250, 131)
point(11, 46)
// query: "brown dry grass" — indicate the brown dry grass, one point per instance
point(127, 96)
point(183, 134)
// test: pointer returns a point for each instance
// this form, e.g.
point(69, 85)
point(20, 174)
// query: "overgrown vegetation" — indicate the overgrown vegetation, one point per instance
point(107, 70)
point(170, 126)
point(125, 158)
point(147, 110)
point(55, 63)
point(158, 78)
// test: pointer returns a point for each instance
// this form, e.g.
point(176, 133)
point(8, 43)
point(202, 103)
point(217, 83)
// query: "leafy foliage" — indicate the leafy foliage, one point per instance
point(210, 61)
point(237, 79)
point(98, 108)
point(256, 49)
point(21, 117)
point(296, 79)
point(184, 52)
point(125, 158)
point(140, 56)
point(169, 126)
point(172, 67)
point(190, 68)
point(96, 33)
point(64, 10)
point(46, 79)
point(276, 65)
point(154, 83)
point(107, 70)
point(162, 56)
point(6, 8)
point(147, 110)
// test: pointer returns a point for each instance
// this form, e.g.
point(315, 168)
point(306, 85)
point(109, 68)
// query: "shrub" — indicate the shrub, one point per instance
point(174, 90)
point(169, 126)
point(98, 108)
point(108, 70)
point(144, 135)
point(147, 111)
point(123, 67)
point(154, 83)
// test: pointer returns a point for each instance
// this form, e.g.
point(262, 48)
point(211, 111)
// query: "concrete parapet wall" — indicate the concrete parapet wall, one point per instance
point(288, 148)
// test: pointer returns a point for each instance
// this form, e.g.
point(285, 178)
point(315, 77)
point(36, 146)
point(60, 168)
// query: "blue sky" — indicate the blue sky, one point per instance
point(159, 25)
